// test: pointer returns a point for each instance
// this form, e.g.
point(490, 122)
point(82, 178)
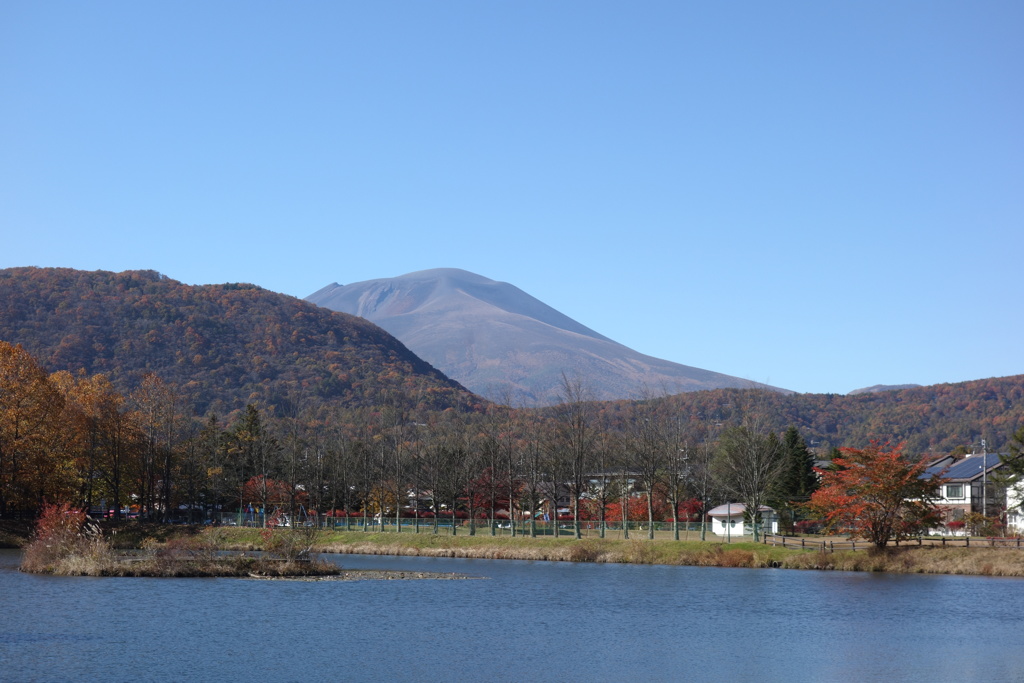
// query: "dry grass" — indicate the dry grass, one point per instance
point(233, 566)
point(558, 550)
point(929, 560)
point(923, 560)
point(87, 552)
point(63, 536)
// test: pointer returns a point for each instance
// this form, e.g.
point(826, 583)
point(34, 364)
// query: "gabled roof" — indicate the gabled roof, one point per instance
point(968, 469)
point(734, 509)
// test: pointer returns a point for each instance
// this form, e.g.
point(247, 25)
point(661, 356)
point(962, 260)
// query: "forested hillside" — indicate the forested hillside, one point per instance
point(937, 418)
point(223, 345)
point(324, 411)
point(228, 345)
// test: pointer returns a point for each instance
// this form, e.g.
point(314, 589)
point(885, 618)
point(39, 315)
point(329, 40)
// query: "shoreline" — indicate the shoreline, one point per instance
point(1005, 562)
point(982, 561)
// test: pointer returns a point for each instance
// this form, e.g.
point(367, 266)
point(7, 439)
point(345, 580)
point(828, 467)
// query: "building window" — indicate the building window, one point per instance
point(954, 491)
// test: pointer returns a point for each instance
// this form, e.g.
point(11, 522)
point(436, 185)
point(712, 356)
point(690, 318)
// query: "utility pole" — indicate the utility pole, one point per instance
point(984, 479)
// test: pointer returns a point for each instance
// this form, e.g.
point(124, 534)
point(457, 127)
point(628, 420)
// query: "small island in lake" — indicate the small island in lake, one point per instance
point(67, 543)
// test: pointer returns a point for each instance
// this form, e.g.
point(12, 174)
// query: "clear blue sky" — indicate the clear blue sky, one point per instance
point(817, 195)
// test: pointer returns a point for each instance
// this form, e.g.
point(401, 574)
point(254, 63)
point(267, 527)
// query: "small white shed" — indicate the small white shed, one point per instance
point(727, 520)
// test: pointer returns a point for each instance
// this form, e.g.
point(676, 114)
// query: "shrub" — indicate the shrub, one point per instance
point(291, 544)
point(734, 557)
point(64, 542)
point(956, 526)
point(191, 548)
point(807, 526)
point(980, 525)
point(584, 551)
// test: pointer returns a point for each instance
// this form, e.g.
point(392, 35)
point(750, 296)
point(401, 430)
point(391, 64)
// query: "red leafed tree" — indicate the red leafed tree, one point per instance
point(265, 491)
point(877, 494)
point(637, 509)
point(689, 510)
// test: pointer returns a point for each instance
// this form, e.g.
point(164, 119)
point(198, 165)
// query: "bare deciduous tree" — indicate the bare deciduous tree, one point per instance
point(748, 465)
point(574, 436)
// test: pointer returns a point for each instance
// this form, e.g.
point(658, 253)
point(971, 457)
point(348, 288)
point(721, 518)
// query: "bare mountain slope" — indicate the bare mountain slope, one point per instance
point(504, 344)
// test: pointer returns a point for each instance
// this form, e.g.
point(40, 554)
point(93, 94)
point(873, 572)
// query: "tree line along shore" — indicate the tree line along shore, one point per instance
point(73, 440)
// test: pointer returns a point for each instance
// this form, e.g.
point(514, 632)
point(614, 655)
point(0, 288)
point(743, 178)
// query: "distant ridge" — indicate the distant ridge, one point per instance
point(929, 419)
point(504, 344)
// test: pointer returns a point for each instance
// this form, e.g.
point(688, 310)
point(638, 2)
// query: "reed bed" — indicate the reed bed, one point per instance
point(239, 566)
point(923, 560)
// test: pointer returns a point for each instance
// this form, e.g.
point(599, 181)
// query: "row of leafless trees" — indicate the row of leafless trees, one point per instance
point(572, 462)
point(74, 439)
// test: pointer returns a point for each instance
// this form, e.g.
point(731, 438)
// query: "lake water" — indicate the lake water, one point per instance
point(528, 621)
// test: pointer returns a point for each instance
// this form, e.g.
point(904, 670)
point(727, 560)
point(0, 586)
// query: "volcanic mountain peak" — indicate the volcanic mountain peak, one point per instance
point(504, 344)
point(443, 291)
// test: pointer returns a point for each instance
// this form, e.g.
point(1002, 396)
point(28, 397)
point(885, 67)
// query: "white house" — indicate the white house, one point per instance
point(969, 486)
point(1014, 511)
point(727, 520)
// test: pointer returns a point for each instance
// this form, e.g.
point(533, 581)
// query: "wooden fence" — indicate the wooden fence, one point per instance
point(832, 545)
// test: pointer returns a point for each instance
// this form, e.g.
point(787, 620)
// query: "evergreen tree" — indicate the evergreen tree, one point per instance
point(256, 458)
point(798, 480)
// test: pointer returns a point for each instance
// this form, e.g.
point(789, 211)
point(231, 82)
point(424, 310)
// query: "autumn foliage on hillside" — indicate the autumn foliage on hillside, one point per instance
point(932, 419)
point(138, 396)
point(223, 345)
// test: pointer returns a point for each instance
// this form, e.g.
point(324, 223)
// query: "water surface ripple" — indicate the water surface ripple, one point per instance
point(530, 621)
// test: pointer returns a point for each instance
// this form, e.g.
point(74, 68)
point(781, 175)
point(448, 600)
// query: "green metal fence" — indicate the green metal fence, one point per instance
point(498, 527)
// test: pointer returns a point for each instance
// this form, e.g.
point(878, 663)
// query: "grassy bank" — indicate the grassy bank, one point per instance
point(920, 560)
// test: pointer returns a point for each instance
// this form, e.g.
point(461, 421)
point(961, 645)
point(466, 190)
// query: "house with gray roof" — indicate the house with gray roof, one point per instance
point(969, 486)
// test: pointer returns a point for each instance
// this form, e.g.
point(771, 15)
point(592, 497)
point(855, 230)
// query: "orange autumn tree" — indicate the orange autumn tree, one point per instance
point(31, 464)
point(876, 494)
